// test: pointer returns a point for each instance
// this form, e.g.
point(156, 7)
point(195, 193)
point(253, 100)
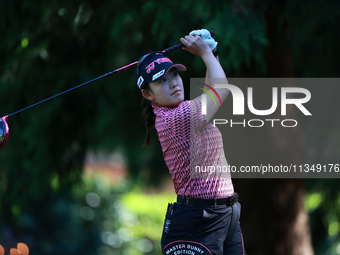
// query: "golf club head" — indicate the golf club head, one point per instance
point(4, 131)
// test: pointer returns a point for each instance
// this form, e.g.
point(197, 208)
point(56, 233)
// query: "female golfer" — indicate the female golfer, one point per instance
point(205, 218)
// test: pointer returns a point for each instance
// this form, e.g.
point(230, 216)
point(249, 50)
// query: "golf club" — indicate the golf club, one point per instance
point(4, 129)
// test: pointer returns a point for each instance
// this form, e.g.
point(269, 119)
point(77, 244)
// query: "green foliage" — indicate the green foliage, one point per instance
point(323, 205)
point(50, 46)
point(316, 47)
point(139, 223)
point(151, 211)
point(97, 217)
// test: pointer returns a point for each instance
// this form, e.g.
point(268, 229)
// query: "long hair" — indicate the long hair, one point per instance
point(150, 117)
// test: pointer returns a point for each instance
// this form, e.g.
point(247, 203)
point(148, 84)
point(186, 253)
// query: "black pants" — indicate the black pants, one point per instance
point(198, 229)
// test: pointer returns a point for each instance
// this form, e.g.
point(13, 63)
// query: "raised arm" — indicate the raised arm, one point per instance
point(215, 73)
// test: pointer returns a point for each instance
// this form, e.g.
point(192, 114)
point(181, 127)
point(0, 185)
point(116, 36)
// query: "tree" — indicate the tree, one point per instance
point(49, 47)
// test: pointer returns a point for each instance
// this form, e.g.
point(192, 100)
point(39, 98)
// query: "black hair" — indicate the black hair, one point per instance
point(150, 117)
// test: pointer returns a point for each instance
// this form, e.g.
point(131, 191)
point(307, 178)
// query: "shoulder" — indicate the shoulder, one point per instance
point(185, 108)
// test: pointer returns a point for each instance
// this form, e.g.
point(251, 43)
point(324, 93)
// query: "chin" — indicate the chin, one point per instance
point(178, 102)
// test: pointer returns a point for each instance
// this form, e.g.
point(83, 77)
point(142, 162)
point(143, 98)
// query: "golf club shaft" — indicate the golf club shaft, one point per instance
point(167, 50)
point(78, 86)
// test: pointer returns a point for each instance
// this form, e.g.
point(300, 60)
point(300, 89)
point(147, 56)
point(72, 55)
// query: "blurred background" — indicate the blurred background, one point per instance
point(74, 177)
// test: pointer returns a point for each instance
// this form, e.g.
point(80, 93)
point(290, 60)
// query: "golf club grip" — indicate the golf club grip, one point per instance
point(180, 45)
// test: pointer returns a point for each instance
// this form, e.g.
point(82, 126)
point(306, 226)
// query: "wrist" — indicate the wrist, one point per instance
point(207, 54)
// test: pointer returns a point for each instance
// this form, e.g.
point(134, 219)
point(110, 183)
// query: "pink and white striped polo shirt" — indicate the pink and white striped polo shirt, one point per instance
point(191, 145)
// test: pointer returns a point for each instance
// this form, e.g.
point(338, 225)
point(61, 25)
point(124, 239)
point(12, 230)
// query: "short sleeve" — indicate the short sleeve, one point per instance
point(188, 115)
point(197, 119)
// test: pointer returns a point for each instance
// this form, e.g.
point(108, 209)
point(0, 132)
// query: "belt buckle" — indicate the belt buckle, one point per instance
point(232, 202)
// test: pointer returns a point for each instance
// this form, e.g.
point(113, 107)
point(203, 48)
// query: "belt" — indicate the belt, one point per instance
point(228, 201)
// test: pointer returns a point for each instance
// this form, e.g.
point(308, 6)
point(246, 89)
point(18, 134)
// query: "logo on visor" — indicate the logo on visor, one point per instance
point(158, 75)
point(150, 67)
point(140, 81)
